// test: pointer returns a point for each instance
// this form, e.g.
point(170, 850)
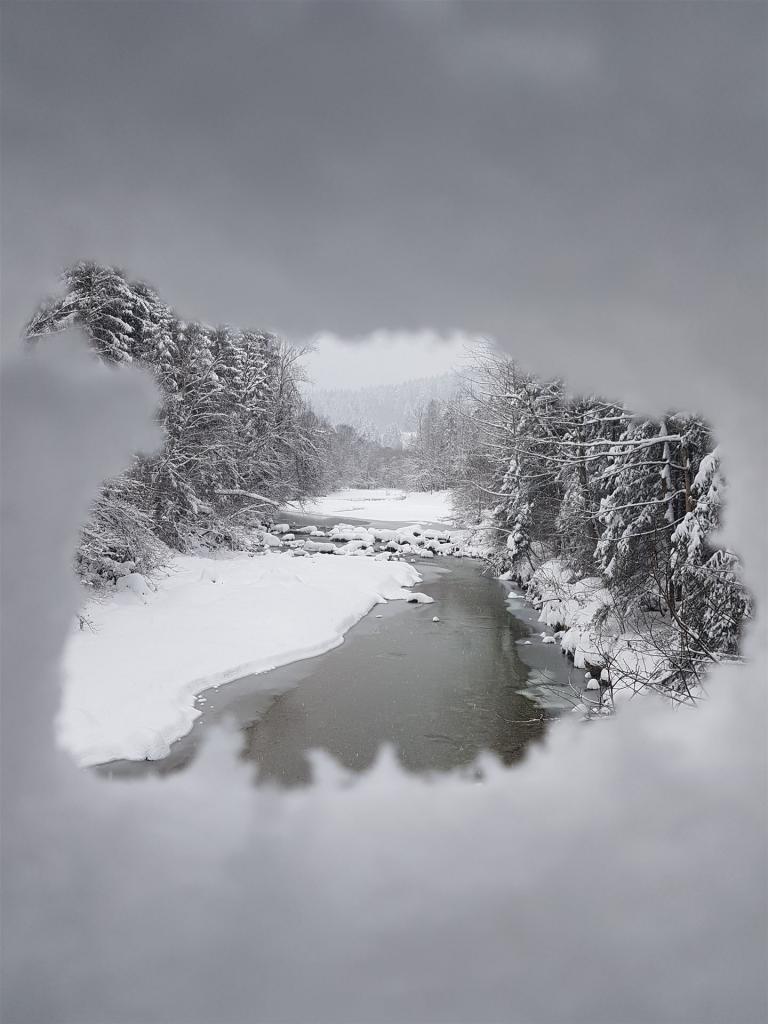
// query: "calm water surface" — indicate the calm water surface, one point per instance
point(438, 692)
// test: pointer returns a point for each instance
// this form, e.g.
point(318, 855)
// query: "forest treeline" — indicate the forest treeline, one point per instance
point(386, 413)
point(239, 438)
point(625, 500)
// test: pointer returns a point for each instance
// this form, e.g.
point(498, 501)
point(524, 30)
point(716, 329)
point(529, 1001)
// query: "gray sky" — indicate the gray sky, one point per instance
point(530, 171)
point(385, 357)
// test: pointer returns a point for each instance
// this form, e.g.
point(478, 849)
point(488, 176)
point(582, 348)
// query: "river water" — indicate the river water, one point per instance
point(439, 693)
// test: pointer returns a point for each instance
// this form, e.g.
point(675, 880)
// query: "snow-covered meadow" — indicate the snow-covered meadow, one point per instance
point(133, 671)
point(384, 505)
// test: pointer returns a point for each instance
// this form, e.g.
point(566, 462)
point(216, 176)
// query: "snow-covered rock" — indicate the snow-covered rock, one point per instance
point(319, 547)
point(380, 534)
point(343, 531)
point(580, 610)
point(353, 545)
point(135, 583)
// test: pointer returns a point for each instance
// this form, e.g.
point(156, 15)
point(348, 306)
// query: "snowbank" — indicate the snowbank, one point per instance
point(480, 540)
point(382, 505)
point(571, 605)
point(581, 610)
point(132, 677)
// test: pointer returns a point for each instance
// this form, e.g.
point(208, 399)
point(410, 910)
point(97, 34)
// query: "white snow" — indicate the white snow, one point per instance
point(382, 505)
point(131, 679)
point(629, 661)
point(319, 547)
point(343, 531)
point(360, 540)
point(352, 546)
point(478, 541)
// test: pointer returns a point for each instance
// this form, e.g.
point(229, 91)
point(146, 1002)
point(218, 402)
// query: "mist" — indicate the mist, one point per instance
point(584, 186)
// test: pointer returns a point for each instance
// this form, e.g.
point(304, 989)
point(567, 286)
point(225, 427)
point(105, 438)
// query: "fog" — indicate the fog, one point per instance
point(385, 357)
point(618, 874)
point(607, 225)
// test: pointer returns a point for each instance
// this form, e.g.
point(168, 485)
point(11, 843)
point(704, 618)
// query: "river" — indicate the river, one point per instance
point(479, 679)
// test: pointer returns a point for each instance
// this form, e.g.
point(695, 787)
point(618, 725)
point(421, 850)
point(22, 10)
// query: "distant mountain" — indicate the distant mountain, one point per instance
point(387, 413)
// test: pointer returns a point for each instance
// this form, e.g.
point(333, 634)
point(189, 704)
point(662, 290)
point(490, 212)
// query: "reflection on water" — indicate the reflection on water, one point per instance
point(438, 692)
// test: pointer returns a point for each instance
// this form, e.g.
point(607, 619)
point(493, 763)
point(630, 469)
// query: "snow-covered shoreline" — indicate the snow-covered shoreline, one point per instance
point(148, 649)
point(581, 611)
point(384, 505)
point(132, 673)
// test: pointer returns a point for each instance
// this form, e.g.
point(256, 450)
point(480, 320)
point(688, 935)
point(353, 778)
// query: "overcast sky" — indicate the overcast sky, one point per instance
point(523, 171)
point(584, 181)
point(385, 357)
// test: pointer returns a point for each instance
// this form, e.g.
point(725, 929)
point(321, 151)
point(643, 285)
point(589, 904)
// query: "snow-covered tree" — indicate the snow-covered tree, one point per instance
point(713, 601)
point(98, 299)
point(630, 499)
point(238, 435)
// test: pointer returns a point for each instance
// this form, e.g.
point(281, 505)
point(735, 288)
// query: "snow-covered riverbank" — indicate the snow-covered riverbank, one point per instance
point(132, 674)
point(582, 613)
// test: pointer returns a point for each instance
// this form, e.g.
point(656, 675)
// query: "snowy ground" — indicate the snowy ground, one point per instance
point(149, 648)
point(579, 610)
point(131, 677)
point(384, 506)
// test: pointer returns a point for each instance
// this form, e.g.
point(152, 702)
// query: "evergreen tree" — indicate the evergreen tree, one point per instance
point(98, 299)
point(237, 435)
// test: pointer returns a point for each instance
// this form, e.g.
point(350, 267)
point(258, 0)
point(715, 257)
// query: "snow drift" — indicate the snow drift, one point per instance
point(132, 674)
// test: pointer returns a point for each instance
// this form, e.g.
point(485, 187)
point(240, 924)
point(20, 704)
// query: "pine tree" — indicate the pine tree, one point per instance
point(713, 601)
point(234, 421)
point(99, 299)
